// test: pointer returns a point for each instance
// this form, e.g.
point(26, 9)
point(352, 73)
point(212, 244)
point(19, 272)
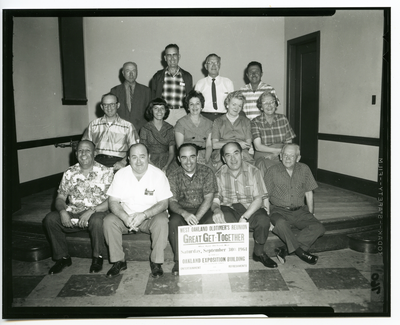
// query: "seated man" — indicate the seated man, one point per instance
point(288, 183)
point(193, 186)
point(138, 201)
point(239, 199)
point(111, 134)
point(85, 185)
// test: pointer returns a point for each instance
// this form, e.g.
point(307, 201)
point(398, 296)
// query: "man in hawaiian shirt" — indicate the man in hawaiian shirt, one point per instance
point(84, 185)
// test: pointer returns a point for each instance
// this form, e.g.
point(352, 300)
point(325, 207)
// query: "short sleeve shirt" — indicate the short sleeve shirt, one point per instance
point(85, 191)
point(279, 131)
point(189, 191)
point(138, 196)
point(286, 191)
point(225, 130)
point(243, 188)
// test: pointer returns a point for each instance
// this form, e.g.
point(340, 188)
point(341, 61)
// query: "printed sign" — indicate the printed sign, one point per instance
point(222, 248)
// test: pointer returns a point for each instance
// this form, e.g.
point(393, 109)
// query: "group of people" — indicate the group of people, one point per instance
point(191, 163)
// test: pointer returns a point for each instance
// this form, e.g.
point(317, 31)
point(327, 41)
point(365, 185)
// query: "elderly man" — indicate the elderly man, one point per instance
point(172, 84)
point(253, 90)
point(84, 185)
point(240, 197)
point(138, 200)
point(193, 186)
point(288, 183)
point(111, 134)
point(214, 88)
point(134, 97)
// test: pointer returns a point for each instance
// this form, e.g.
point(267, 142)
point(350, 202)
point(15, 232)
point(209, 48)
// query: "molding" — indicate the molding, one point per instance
point(351, 183)
point(349, 139)
point(47, 142)
point(40, 184)
point(74, 102)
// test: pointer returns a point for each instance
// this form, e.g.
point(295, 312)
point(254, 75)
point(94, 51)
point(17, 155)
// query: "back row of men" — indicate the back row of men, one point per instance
point(173, 84)
point(139, 196)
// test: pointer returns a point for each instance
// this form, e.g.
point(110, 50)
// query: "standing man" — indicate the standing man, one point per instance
point(134, 97)
point(214, 88)
point(253, 90)
point(84, 185)
point(111, 134)
point(288, 183)
point(193, 186)
point(240, 196)
point(138, 201)
point(172, 84)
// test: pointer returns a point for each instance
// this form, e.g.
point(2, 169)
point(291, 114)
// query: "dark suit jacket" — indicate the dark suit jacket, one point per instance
point(157, 82)
point(141, 98)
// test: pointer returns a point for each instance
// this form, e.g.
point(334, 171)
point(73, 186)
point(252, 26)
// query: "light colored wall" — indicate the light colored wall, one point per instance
point(109, 42)
point(38, 92)
point(350, 73)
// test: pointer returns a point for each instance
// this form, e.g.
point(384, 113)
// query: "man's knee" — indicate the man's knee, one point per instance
point(160, 221)
point(318, 228)
point(51, 218)
point(175, 221)
point(278, 221)
point(109, 221)
point(262, 218)
point(96, 220)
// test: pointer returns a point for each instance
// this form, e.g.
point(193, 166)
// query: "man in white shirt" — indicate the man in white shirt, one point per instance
point(138, 200)
point(214, 99)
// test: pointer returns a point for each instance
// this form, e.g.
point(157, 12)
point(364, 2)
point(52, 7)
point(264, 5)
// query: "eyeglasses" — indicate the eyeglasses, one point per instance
point(273, 103)
point(112, 105)
point(169, 56)
point(212, 63)
point(288, 156)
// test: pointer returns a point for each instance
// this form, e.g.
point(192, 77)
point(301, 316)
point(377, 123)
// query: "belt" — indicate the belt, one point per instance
point(217, 113)
point(291, 208)
point(107, 156)
point(175, 107)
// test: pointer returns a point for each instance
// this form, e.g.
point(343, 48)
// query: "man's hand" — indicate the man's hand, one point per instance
point(119, 164)
point(66, 219)
point(84, 218)
point(244, 144)
point(218, 216)
point(242, 220)
point(191, 219)
point(138, 218)
point(128, 222)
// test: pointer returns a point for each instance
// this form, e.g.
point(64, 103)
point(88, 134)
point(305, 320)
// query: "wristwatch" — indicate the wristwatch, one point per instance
point(244, 218)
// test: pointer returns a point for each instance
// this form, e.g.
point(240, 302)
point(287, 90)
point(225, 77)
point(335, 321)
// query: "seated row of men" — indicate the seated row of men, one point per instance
point(173, 84)
point(140, 197)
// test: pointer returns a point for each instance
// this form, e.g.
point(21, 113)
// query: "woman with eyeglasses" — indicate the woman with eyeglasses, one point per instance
point(270, 131)
point(158, 135)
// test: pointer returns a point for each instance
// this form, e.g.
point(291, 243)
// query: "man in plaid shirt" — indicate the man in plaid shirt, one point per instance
point(241, 190)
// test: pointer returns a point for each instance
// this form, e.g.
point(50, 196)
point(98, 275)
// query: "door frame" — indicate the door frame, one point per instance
point(291, 79)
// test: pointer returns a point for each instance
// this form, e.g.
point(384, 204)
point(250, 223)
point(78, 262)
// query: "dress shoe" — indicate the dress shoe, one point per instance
point(156, 270)
point(308, 258)
point(264, 259)
point(116, 268)
point(97, 265)
point(175, 269)
point(281, 254)
point(60, 265)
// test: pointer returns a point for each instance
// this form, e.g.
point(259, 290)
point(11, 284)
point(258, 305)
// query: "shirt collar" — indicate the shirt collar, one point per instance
point(178, 72)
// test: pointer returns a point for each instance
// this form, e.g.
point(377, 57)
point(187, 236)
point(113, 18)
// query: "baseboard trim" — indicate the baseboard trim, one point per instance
point(347, 182)
point(40, 184)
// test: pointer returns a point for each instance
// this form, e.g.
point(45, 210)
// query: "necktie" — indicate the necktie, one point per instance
point(131, 91)
point(214, 94)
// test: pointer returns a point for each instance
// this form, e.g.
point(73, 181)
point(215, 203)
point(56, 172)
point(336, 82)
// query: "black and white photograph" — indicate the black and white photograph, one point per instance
point(196, 161)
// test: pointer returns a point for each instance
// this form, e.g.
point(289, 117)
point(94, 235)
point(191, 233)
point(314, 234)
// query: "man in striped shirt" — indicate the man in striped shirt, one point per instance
point(111, 134)
point(253, 90)
point(240, 197)
point(288, 184)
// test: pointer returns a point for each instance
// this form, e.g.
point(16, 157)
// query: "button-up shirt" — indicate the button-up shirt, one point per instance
point(286, 191)
point(243, 188)
point(279, 131)
point(85, 191)
point(189, 191)
point(174, 88)
point(111, 139)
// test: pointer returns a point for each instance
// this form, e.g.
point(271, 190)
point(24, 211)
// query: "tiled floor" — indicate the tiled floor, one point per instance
point(340, 279)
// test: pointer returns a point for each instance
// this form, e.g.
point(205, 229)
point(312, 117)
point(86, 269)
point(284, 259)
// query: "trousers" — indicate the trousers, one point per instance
point(157, 227)
point(302, 219)
point(176, 220)
point(57, 231)
point(258, 223)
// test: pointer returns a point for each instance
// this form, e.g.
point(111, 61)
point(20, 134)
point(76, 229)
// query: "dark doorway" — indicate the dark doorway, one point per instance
point(303, 95)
